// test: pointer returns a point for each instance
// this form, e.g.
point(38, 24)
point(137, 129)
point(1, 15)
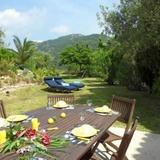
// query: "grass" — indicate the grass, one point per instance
point(31, 97)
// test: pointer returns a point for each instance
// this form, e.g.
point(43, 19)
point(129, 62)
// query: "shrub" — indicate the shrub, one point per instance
point(25, 75)
point(128, 76)
point(5, 67)
point(156, 86)
point(41, 73)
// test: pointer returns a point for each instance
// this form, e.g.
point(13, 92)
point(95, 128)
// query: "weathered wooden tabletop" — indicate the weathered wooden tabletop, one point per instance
point(73, 151)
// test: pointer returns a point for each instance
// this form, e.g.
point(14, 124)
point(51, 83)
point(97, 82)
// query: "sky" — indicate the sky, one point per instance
point(41, 20)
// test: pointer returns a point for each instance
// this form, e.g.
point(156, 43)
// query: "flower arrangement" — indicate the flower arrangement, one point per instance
point(27, 142)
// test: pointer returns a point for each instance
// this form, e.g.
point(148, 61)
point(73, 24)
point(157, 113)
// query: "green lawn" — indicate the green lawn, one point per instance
point(147, 107)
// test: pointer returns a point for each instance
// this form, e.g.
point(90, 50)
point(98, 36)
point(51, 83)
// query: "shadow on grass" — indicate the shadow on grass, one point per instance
point(51, 90)
point(93, 81)
point(98, 85)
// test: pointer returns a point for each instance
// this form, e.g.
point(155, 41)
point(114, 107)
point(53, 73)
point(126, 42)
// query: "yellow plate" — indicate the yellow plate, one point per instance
point(103, 110)
point(84, 131)
point(17, 118)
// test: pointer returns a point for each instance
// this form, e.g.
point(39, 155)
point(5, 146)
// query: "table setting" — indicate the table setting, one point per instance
point(59, 105)
point(71, 131)
point(27, 142)
point(102, 110)
point(81, 134)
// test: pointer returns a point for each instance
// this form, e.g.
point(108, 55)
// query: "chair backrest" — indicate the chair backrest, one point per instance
point(51, 83)
point(59, 80)
point(69, 98)
point(126, 107)
point(2, 110)
point(120, 155)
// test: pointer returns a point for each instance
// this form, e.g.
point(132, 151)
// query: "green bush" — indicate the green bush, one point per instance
point(5, 67)
point(128, 76)
point(156, 86)
point(41, 73)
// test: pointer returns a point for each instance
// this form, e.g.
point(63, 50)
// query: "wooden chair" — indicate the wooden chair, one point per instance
point(126, 107)
point(69, 98)
point(2, 110)
point(120, 155)
point(122, 149)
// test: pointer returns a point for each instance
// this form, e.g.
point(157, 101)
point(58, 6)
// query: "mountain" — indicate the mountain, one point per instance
point(56, 46)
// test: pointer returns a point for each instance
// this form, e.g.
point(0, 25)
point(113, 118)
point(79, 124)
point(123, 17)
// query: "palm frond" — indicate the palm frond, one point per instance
point(24, 50)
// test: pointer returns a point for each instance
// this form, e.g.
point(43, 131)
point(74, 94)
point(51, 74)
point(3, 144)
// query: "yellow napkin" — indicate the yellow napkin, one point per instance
point(84, 131)
point(61, 104)
point(104, 109)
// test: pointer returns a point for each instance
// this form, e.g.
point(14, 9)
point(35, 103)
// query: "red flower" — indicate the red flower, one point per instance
point(46, 139)
point(30, 133)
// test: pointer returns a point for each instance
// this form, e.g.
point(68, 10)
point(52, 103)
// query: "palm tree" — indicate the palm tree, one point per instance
point(24, 51)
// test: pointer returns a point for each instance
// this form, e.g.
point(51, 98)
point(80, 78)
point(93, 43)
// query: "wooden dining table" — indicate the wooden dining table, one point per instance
point(73, 151)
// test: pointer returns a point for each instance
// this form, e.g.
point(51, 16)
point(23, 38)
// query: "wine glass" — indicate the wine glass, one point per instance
point(82, 116)
point(89, 103)
point(49, 104)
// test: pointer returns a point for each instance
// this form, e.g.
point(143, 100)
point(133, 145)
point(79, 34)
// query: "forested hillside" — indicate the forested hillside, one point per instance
point(56, 46)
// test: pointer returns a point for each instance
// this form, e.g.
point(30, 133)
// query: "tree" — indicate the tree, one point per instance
point(136, 26)
point(107, 59)
point(78, 54)
point(149, 65)
point(42, 60)
point(24, 51)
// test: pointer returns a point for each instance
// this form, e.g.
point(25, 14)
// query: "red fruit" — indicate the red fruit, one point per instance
point(30, 133)
point(46, 139)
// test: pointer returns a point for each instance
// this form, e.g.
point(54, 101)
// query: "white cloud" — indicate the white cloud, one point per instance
point(20, 22)
point(61, 29)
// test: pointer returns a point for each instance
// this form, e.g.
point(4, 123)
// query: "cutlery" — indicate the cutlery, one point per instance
point(82, 138)
point(51, 129)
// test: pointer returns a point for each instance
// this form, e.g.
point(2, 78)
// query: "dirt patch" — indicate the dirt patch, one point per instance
point(11, 88)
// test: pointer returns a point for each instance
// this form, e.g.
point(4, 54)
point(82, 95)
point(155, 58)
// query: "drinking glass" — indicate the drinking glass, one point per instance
point(49, 104)
point(89, 102)
point(82, 116)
